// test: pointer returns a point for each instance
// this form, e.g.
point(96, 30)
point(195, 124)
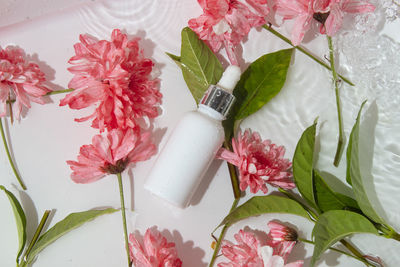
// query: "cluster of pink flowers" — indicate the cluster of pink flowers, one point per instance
point(259, 162)
point(156, 251)
point(228, 22)
point(20, 79)
point(251, 252)
point(116, 78)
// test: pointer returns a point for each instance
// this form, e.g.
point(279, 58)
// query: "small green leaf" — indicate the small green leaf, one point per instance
point(334, 225)
point(20, 220)
point(261, 81)
point(327, 199)
point(72, 221)
point(303, 161)
point(200, 67)
point(354, 173)
point(264, 204)
point(174, 58)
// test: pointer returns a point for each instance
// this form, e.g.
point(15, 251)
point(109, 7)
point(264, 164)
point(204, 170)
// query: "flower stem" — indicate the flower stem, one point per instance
point(303, 50)
point(233, 175)
point(9, 156)
point(388, 232)
point(334, 249)
point(60, 92)
point(222, 234)
point(292, 196)
point(355, 252)
point(11, 110)
point(341, 141)
point(36, 235)
point(121, 194)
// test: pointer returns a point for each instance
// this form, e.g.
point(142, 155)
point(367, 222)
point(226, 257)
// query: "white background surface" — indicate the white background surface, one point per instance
point(48, 136)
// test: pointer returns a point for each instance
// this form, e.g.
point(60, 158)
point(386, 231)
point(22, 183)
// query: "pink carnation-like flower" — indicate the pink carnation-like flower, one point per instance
point(155, 252)
point(244, 253)
point(248, 252)
point(227, 22)
point(327, 12)
point(114, 76)
point(19, 79)
point(111, 154)
point(259, 162)
point(282, 238)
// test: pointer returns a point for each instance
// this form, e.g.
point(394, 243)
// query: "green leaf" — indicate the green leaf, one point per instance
point(261, 81)
point(334, 225)
point(200, 67)
point(72, 221)
point(174, 58)
point(264, 204)
point(353, 170)
point(327, 199)
point(20, 220)
point(303, 161)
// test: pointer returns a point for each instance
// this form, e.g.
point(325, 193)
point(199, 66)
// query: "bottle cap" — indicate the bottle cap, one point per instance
point(219, 97)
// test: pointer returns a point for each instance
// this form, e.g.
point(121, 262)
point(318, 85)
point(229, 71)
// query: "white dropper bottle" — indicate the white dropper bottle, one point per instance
point(193, 144)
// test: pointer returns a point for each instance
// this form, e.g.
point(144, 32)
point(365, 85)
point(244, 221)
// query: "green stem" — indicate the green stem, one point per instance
point(341, 141)
point(11, 110)
point(303, 50)
point(60, 92)
point(355, 252)
point(9, 156)
point(331, 248)
point(121, 194)
point(388, 232)
point(233, 175)
point(222, 234)
point(293, 197)
point(36, 236)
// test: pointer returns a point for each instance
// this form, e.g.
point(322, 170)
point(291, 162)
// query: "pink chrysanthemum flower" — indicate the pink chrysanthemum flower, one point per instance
point(248, 252)
point(282, 238)
point(244, 253)
point(19, 79)
point(111, 154)
point(155, 252)
point(115, 76)
point(227, 22)
point(327, 12)
point(259, 162)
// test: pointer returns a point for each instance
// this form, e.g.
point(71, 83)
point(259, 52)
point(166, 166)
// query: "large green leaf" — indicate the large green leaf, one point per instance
point(303, 161)
point(261, 81)
point(327, 199)
point(264, 204)
point(72, 221)
point(334, 225)
point(353, 170)
point(200, 67)
point(20, 220)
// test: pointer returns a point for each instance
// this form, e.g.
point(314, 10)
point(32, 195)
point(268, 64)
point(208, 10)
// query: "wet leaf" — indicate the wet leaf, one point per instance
point(335, 225)
point(303, 161)
point(20, 220)
point(72, 221)
point(354, 173)
point(264, 204)
point(261, 81)
point(327, 199)
point(200, 67)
